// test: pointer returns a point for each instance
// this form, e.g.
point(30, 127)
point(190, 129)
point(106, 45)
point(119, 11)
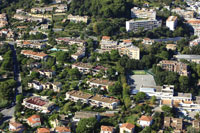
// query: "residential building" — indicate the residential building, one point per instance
point(35, 85)
point(101, 101)
point(34, 121)
point(195, 26)
point(87, 68)
point(174, 66)
point(107, 129)
point(190, 58)
point(145, 121)
point(183, 13)
point(16, 127)
point(34, 55)
point(61, 8)
point(80, 53)
point(62, 130)
point(143, 13)
point(56, 86)
point(3, 20)
point(43, 130)
point(39, 10)
point(34, 65)
point(78, 96)
point(71, 41)
point(85, 115)
point(148, 41)
point(28, 44)
point(45, 72)
point(39, 104)
point(127, 128)
point(196, 124)
point(78, 18)
point(171, 47)
point(102, 83)
point(136, 25)
point(175, 123)
point(132, 52)
point(107, 44)
point(97, 100)
point(195, 42)
point(171, 22)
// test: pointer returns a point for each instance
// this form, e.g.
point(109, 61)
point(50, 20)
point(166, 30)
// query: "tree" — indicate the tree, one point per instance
point(87, 125)
point(153, 100)
point(46, 1)
point(74, 74)
point(114, 55)
point(139, 96)
point(115, 89)
point(62, 56)
point(168, 111)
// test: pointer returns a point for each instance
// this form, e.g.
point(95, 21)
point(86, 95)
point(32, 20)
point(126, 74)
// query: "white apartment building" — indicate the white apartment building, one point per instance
point(132, 52)
point(145, 121)
point(171, 22)
point(136, 25)
point(39, 104)
point(143, 13)
point(34, 55)
point(35, 85)
point(78, 18)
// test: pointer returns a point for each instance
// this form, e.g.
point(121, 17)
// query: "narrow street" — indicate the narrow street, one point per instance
point(9, 112)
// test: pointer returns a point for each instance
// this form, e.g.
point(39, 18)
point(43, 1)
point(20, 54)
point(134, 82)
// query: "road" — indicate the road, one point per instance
point(9, 112)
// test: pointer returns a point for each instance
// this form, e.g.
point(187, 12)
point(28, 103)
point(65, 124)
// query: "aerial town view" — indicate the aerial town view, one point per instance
point(99, 66)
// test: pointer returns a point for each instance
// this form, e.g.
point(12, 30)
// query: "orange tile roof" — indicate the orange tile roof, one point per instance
point(30, 52)
point(194, 21)
point(127, 41)
point(31, 119)
point(105, 37)
point(43, 130)
point(166, 102)
point(128, 126)
point(107, 128)
point(26, 42)
point(16, 124)
point(62, 129)
point(146, 118)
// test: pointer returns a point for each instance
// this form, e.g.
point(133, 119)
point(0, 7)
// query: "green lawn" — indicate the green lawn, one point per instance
point(139, 72)
point(53, 54)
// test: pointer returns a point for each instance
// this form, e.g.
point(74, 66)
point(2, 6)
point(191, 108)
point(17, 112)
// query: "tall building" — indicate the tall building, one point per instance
point(143, 13)
point(171, 22)
point(136, 25)
point(195, 25)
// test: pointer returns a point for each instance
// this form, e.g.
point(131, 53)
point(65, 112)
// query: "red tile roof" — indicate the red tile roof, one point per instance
point(62, 129)
point(128, 126)
point(107, 128)
point(146, 118)
point(43, 130)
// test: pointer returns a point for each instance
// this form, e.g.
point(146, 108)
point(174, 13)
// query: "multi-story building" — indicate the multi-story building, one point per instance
point(34, 55)
point(35, 85)
point(87, 68)
point(190, 58)
point(195, 42)
point(97, 100)
point(34, 121)
point(41, 9)
point(78, 18)
point(28, 44)
point(176, 123)
point(44, 72)
point(148, 41)
point(196, 124)
point(132, 52)
point(78, 96)
point(56, 86)
point(145, 121)
point(136, 25)
point(80, 53)
point(195, 26)
point(171, 22)
point(184, 13)
point(16, 127)
point(124, 48)
point(102, 83)
point(143, 13)
point(107, 129)
point(174, 66)
point(38, 103)
point(127, 128)
point(71, 41)
point(85, 115)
